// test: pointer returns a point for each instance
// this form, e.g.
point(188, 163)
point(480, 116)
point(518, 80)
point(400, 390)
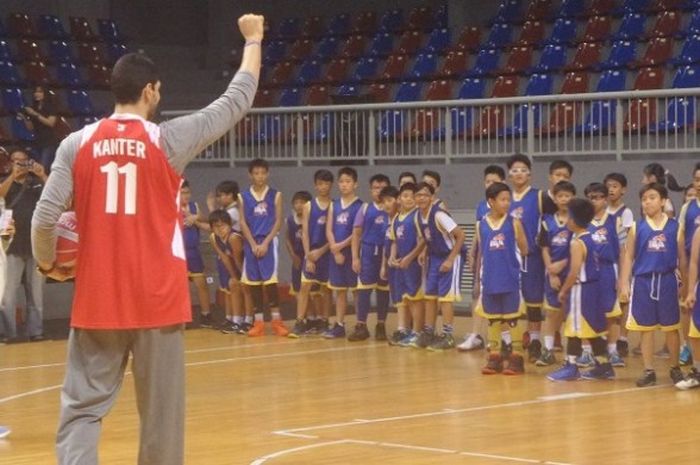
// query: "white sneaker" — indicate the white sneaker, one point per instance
point(472, 342)
point(692, 380)
point(4, 432)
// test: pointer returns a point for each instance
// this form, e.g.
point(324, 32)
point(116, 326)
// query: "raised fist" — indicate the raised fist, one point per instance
point(251, 26)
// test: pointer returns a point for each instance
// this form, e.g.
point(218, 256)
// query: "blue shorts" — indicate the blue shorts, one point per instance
point(654, 303)
point(370, 266)
point(585, 317)
point(608, 290)
point(695, 317)
point(320, 276)
point(224, 276)
point(341, 277)
point(406, 284)
point(195, 263)
point(532, 279)
point(501, 306)
point(443, 286)
point(260, 270)
point(296, 281)
point(551, 296)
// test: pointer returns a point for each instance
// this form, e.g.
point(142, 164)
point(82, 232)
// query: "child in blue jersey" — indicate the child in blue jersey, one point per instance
point(651, 260)
point(559, 170)
point(692, 302)
point(444, 240)
point(193, 223)
point(406, 177)
point(294, 239)
point(261, 220)
point(689, 219)
point(316, 258)
point(617, 188)
point(406, 285)
point(434, 179)
point(580, 294)
point(228, 246)
point(339, 229)
point(474, 340)
point(605, 231)
point(554, 240)
point(501, 239)
point(367, 247)
point(526, 206)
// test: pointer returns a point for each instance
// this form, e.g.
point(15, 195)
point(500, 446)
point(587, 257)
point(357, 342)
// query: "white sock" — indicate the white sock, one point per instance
point(571, 359)
point(534, 335)
point(249, 319)
point(587, 348)
point(259, 317)
point(623, 338)
point(507, 339)
point(549, 342)
point(237, 319)
point(612, 349)
point(229, 318)
point(276, 316)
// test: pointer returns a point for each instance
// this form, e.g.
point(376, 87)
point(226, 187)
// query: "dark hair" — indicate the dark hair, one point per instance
point(380, 178)
point(656, 170)
point(408, 186)
point(496, 188)
point(561, 164)
point(495, 169)
point(131, 73)
point(581, 211)
point(323, 175)
point(407, 174)
point(185, 183)
point(564, 186)
point(388, 191)
point(519, 158)
point(15, 149)
point(220, 216)
point(302, 195)
point(424, 185)
point(673, 184)
point(596, 187)
point(687, 188)
point(228, 187)
point(617, 177)
point(696, 168)
point(348, 171)
point(654, 186)
point(258, 163)
point(433, 174)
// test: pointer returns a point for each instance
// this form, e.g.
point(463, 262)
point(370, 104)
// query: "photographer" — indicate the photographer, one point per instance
point(21, 191)
point(41, 118)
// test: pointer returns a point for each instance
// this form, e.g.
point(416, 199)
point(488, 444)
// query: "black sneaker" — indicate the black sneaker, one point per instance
point(676, 375)
point(425, 339)
point(534, 350)
point(205, 320)
point(360, 333)
point(37, 338)
point(244, 328)
point(380, 332)
point(230, 328)
point(648, 378)
point(300, 328)
point(397, 336)
point(623, 348)
point(321, 325)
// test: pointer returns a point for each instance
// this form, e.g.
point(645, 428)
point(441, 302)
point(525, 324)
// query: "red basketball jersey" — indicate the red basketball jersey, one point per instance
point(131, 270)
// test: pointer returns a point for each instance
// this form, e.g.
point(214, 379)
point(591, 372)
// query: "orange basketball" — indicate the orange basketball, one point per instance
point(67, 242)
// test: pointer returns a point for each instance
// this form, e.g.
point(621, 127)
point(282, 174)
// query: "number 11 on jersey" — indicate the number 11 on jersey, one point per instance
point(113, 170)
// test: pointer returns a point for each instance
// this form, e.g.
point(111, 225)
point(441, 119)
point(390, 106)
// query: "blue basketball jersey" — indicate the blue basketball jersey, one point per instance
point(190, 234)
point(438, 243)
point(500, 267)
point(590, 268)
point(527, 207)
point(344, 218)
point(482, 209)
point(317, 224)
point(294, 234)
point(604, 235)
point(689, 221)
point(558, 237)
point(656, 248)
point(260, 213)
point(405, 233)
point(376, 222)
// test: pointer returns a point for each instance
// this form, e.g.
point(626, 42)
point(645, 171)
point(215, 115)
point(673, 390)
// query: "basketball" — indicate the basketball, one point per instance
point(67, 242)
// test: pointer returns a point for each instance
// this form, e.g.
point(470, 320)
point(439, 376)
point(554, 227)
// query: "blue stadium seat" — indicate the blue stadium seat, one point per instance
point(79, 103)
point(20, 131)
point(290, 97)
point(690, 52)
point(572, 8)
point(9, 75)
point(409, 92)
point(68, 75)
point(269, 129)
point(392, 124)
point(12, 100)
point(339, 24)
point(601, 115)
point(391, 20)
point(680, 114)
point(289, 28)
point(613, 80)
point(440, 17)
point(60, 52)
point(348, 90)
point(366, 69)
point(424, 66)
point(5, 51)
point(109, 31)
point(509, 11)
point(116, 51)
point(274, 52)
point(564, 31)
point(635, 6)
point(327, 48)
point(633, 27)
point(500, 35)
point(382, 44)
point(439, 40)
point(323, 130)
point(310, 71)
point(539, 84)
point(50, 27)
point(694, 26)
point(687, 77)
point(486, 62)
point(553, 58)
point(622, 53)
point(3, 31)
point(472, 88)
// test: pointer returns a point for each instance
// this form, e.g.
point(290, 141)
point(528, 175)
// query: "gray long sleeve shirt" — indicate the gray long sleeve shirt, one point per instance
point(181, 138)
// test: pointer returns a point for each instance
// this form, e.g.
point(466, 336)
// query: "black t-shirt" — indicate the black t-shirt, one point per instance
point(22, 199)
point(548, 205)
point(45, 136)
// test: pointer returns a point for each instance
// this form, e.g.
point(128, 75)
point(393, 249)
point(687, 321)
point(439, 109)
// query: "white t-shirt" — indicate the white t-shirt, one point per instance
point(235, 217)
point(445, 222)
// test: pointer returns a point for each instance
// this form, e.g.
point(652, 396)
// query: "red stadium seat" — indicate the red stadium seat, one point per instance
point(410, 42)
point(90, 54)
point(642, 112)
point(318, 95)
point(565, 115)
point(313, 27)
point(337, 70)
point(427, 121)
point(602, 7)
point(394, 68)
point(420, 18)
point(365, 22)
point(668, 23)
point(538, 10)
point(469, 39)
point(354, 46)
point(666, 5)
point(505, 86)
point(81, 30)
point(301, 49)
point(532, 33)
point(380, 92)
point(5, 136)
point(30, 51)
point(575, 83)
point(658, 52)
point(597, 29)
point(649, 78)
point(492, 118)
point(264, 98)
point(99, 75)
point(519, 60)
point(587, 56)
point(282, 73)
point(455, 64)
point(20, 25)
point(37, 73)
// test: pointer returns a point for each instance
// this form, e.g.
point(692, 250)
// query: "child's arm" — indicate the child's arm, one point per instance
point(245, 230)
point(458, 237)
point(578, 255)
point(262, 249)
point(693, 271)
point(296, 259)
point(329, 230)
point(520, 238)
point(200, 222)
point(682, 261)
point(225, 259)
point(623, 284)
point(236, 243)
point(408, 259)
point(356, 237)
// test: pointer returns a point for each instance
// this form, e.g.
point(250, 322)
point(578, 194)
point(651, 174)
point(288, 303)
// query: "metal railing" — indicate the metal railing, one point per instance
point(610, 125)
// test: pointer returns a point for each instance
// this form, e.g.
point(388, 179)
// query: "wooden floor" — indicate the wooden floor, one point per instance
point(312, 401)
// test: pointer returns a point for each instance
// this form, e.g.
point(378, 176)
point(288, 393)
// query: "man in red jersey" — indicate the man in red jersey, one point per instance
point(131, 295)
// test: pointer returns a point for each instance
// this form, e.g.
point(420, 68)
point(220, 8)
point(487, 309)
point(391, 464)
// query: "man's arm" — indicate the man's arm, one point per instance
point(185, 137)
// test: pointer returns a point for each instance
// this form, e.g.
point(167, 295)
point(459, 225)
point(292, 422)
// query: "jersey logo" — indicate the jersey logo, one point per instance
point(260, 209)
point(400, 232)
point(600, 236)
point(298, 234)
point(321, 220)
point(517, 213)
point(379, 220)
point(426, 233)
point(561, 239)
point(342, 218)
point(498, 242)
point(657, 243)
point(121, 127)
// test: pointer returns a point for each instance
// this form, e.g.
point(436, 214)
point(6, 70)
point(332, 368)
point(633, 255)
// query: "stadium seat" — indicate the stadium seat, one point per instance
point(115, 52)
point(337, 70)
point(309, 72)
point(602, 7)
point(301, 49)
point(492, 117)
point(9, 74)
point(36, 73)
point(440, 17)
point(366, 69)
point(565, 115)
point(438, 41)
point(20, 25)
point(391, 20)
point(564, 32)
point(109, 31)
point(410, 42)
point(427, 122)
point(291, 97)
point(380, 92)
point(658, 52)
point(694, 25)
point(613, 80)
point(690, 52)
point(597, 29)
point(649, 78)
point(622, 54)
point(642, 112)
point(501, 35)
point(289, 28)
point(81, 30)
point(687, 77)
point(469, 39)
point(313, 27)
point(539, 10)
point(680, 114)
point(539, 84)
point(274, 52)
point(486, 62)
point(472, 88)
point(393, 121)
point(576, 82)
point(20, 131)
point(382, 44)
point(518, 61)
point(348, 89)
point(632, 27)
point(394, 67)
point(420, 18)
point(90, 54)
point(409, 91)
point(353, 47)
point(668, 24)
point(12, 100)
point(60, 52)
point(321, 127)
point(318, 95)
point(339, 24)
point(5, 136)
point(572, 8)
point(29, 50)
point(282, 73)
point(601, 116)
point(668, 5)
point(365, 22)
point(587, 56)
point(509, 11)
point(454, 65)
point(99, 75)
point(5, 51)
point(327, 48)
point(553, 58)
point(79, 103)
point(50, 27)
point(532, 33)
point(635, 6)
point(425, 66)
point(264, 98)
point(68, 75)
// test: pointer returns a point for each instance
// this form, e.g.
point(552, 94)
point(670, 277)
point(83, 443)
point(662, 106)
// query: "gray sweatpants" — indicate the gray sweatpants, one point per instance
point(97, 360)
point(16, 267)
